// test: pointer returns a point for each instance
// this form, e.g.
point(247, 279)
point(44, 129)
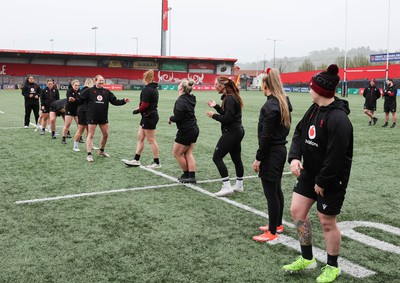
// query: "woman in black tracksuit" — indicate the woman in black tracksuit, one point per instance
point(31, 92)
point(71, 107)
point(273, 128)
point(230, 117)
point(188, 131)
point(81, 113)
point(47, 97)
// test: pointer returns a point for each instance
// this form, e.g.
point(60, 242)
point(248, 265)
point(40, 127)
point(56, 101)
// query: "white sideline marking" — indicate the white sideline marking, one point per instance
point(347, 227)
point(1, 112)
point(347, 266)
point(94, 194)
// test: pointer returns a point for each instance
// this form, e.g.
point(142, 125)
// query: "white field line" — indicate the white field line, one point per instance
point(1, 112)
point(348, 267)
point(94, 193)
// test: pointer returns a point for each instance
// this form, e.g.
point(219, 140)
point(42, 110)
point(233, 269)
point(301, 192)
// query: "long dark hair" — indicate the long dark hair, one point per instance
point(230, 88)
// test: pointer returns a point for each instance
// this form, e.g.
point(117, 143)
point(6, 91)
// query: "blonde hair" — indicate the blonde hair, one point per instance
point(89, 82)
point(272, 82)
point(230, 88)
point(74, 81)
point(148, 76)
point(187, 85)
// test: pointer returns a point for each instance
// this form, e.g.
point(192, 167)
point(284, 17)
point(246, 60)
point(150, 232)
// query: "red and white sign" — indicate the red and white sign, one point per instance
point(165, 15)
point(113, 87)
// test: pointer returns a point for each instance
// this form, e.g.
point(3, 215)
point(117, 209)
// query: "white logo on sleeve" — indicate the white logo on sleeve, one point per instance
point(324, 206)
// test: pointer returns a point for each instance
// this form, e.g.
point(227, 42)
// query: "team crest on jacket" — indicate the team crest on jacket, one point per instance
point(99, 98)
point(311, 132)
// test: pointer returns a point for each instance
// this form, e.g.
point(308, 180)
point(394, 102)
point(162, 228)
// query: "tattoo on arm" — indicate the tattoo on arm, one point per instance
point(304, 232)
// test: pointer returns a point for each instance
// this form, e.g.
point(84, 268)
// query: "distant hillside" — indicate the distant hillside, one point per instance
point(320, 59)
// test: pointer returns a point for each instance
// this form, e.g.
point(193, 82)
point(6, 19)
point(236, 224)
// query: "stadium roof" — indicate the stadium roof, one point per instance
point(35, 54)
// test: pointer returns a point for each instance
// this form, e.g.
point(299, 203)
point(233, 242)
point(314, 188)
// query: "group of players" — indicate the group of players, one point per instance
point(372, 94)
point(320, 155)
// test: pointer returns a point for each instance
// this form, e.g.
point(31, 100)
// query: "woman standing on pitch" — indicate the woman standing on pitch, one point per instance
point(70, 109)
point(98, 99)
point(147, 129)
point(273, 128)
point(81, 113)
point(47, 97)
point(230, 117)
point(188, 131)
point(31, 91)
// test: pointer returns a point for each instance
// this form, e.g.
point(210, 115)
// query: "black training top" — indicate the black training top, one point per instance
point(149, 95)
point(371, 94)
point(271, 131)
point(324, 139)
point(390, 94)
point(184, 114)
point(48, 96)
point(31, 88)
point(72, 106)
point(98, 100)
point(230, 113)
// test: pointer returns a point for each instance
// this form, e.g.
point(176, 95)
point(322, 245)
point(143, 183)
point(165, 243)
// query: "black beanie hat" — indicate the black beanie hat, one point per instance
point(325, 83)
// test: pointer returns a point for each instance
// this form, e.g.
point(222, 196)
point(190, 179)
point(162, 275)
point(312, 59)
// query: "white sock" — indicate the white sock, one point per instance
point(239, 183)
point(76, 144)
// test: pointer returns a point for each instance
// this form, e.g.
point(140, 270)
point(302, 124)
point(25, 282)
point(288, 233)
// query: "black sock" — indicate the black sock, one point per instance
point(157, 160)
point(89, 153)
point(186, 174)
point(192, 174)
point(306, 252)
point(53, 133)
point(332, 260)
point(137, 157)
point(102, 149)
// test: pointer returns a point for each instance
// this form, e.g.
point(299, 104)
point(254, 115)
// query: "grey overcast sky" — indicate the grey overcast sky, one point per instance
point(203, 28)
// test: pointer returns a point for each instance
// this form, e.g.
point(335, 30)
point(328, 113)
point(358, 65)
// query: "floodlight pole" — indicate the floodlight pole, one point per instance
point(170, 28)
point(137, 44)
point(95, 39)
point(344, 87)
point(52, 44)
point(387, 50)
point(274, 40)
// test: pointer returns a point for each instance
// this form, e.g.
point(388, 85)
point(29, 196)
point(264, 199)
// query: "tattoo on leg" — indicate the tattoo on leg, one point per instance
point(304, 232)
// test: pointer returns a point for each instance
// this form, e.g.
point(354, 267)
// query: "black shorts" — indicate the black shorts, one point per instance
point(70, 112)
point(271, 167)
point(370, 107)
point(333, 198)
point(149, 122)
point(390, 107)
point(187, 136)
point(97, 122)
point(82, 120)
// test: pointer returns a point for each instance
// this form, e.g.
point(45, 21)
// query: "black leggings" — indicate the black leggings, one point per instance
point(28, 109)
point(229, 142)
point(275, 200)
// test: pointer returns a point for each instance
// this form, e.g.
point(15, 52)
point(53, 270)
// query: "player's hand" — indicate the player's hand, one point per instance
point(211, 103)
point(296, 167)
point(136, 111)
point(209, 114)
point(318, 190)
point(126, 99)
point(256, 166)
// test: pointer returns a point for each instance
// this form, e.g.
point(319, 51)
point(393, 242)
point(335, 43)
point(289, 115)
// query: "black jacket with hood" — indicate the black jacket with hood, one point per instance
point(324, 139)
point(184, 113)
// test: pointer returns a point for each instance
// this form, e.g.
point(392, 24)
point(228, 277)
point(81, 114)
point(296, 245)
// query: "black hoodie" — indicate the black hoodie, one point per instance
point(324, 139)
point(184, 114)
